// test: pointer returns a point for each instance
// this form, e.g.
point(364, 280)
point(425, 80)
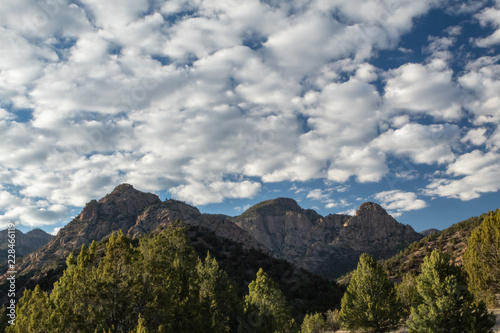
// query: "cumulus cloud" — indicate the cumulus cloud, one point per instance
point(184, 95)
point(424, 89)
point(476, 172)
point(214, 192)
point(422, 143)
point(397, 201)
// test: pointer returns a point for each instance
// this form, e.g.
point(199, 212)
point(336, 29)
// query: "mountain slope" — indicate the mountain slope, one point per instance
point(328, 246)
point(452, 240)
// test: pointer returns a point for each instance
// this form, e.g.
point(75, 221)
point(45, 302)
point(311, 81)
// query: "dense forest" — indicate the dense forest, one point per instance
point(159, 283)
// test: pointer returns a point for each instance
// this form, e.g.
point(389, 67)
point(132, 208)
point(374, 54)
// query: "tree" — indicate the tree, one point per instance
point(3, 319)
point(33, 313)
point(446, 303)
point(313, 323)
point(482, 260)
point(267, 305)
point(219, 302)
point(407, 293)
point(370, 301)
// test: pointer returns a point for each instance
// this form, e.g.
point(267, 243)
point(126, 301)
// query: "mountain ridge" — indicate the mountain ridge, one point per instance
point(324, 245)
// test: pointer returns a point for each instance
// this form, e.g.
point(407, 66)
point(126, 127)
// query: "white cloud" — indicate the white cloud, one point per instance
point(424, 89)
point(490, 16)
point(422, 143)
point(476, 136)
point(397, 201)
point(185, 94)
point(215, 192)
point(479, 172)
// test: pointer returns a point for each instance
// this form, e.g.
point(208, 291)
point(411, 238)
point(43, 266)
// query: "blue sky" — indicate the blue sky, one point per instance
point(223, 104)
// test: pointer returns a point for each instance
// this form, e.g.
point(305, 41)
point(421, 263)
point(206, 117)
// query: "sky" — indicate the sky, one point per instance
point(224, 103)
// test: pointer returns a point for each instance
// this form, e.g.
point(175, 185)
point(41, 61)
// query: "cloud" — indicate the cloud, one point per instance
point(397, 201)
point(215, 192)
point(475, 173)
point(190, 95)
point(422, 143)
point(490, 17)
point(424, 89)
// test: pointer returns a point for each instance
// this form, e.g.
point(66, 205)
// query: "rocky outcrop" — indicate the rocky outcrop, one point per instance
point(328, 246)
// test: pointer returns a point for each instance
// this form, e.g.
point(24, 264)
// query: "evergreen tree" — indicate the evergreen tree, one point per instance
point(171, 282)
point(370, 302)
point(447, 305)
point(482, 260)
point(33, 313)
point(118, 285)
point(219, 302)
point(407, 293)
point(4, 320)
point(267, 305)
point(313, 323)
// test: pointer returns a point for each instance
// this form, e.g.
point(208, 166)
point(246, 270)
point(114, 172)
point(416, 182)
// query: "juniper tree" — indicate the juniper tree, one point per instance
point(482, 260)
point(267, 306)
point(370, 302)
point(446, 303)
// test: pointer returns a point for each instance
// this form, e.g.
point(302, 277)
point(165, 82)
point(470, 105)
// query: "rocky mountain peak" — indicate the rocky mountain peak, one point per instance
point(123, 200)
point(274, 207)
point(370, 209)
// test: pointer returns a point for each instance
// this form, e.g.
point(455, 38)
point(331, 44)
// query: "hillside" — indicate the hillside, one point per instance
point(452, 240)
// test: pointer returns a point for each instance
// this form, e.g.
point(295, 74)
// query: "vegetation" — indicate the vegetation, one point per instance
point(162, 279)
point(370, 302)
point(445, 304)
point(314, 323)
point(452, 240)
point(482, 260)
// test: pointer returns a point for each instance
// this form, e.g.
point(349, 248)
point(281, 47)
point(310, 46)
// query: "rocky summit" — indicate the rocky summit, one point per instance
point(328, 246)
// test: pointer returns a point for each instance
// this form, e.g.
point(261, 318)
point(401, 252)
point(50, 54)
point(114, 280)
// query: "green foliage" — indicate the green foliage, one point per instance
point(446, 305)
point(482, 260)
point(163, 279)
point(313, 323)
point(370, 301)
point(3, 319)
point(407, 293)
point(268, 306)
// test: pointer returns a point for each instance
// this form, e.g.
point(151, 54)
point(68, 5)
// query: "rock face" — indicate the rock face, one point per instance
point(328, 246)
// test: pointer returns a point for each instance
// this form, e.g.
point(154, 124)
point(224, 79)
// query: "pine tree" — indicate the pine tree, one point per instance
point(3, 319)
point(33, 313)
point(407, 293)
point(267, 306)
point(219, 302)
point(118, 284)
point(482, 260)
point(171, 282)
point(313, 323)
point(370, 302)
point(446, 303)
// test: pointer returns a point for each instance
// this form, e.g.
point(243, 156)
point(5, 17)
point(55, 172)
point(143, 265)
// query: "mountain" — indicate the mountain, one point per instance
point(328, 246)
point(427, 232)
point(139, 214)
point(25, 242)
